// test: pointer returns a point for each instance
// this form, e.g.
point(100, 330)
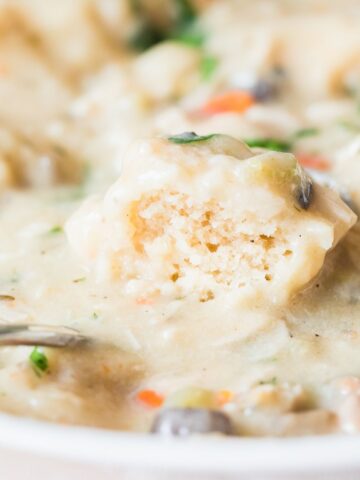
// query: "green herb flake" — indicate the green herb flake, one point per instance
point(270, 144)
point(189, 137)
point(56, 229)
point(94, 316)
point(183, 27)
point(79, 280)
point(39, 361)
point(191, 36)
point(186, 12)
point(272, 381)
point(306, 132)
point(208, 67)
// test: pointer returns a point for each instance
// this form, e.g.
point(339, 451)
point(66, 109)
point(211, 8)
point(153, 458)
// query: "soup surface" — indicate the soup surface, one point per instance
point(180, 182)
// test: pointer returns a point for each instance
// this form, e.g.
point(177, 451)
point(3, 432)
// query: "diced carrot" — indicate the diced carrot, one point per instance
point(150, 398)
point(233, 101)
point(224, 396)
point(144, 301)
point(314, 161)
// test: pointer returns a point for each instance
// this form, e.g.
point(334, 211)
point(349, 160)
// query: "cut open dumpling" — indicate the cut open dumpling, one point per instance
point(207, 217)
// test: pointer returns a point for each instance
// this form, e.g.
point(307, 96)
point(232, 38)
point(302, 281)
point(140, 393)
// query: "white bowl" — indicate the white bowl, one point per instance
point(39, 450)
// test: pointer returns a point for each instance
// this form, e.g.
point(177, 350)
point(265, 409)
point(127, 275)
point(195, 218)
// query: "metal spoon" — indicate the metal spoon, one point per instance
point(40, 335)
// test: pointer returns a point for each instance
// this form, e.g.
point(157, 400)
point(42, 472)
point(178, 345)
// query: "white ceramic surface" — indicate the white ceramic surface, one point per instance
point(30, 449)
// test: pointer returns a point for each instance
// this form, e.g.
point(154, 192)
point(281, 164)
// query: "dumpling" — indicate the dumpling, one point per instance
point(206, 217)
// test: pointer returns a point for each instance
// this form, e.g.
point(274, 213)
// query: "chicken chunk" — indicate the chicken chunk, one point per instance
point(26, 76)
point(207, 217)
point(83, 46)
point(35, 161)
point(167, 70)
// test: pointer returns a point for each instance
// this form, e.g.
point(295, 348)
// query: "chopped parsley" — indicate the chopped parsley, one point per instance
point(183, 26)
point(78, 280)
point(185, 13)
point(306, 132)
point(55, 230)
point(279, 145)
point(39, 361)
point(272, 381)
point(189, 137)
point(270, 144)
point(208, 66)
point(192, 36)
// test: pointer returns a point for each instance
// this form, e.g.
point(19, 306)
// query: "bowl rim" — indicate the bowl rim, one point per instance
point(94, 446)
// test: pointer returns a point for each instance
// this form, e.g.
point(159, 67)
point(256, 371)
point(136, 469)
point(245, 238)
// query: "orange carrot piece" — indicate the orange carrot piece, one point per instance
point(224, 396)
point(233, 101)
point(316, 162)
point(144, 301)
point(150, 398)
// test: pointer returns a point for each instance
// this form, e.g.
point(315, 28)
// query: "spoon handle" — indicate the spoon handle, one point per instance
point(40, 335)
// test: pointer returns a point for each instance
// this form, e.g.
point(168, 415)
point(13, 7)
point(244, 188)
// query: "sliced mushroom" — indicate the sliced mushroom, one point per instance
point(182, 422)
point(263, 88)
point(304, 192)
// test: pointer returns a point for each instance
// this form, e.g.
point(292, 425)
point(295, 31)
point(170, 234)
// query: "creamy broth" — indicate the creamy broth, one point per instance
point(87, 129)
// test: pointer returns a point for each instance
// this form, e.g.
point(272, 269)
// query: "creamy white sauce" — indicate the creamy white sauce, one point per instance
point(67, 110)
